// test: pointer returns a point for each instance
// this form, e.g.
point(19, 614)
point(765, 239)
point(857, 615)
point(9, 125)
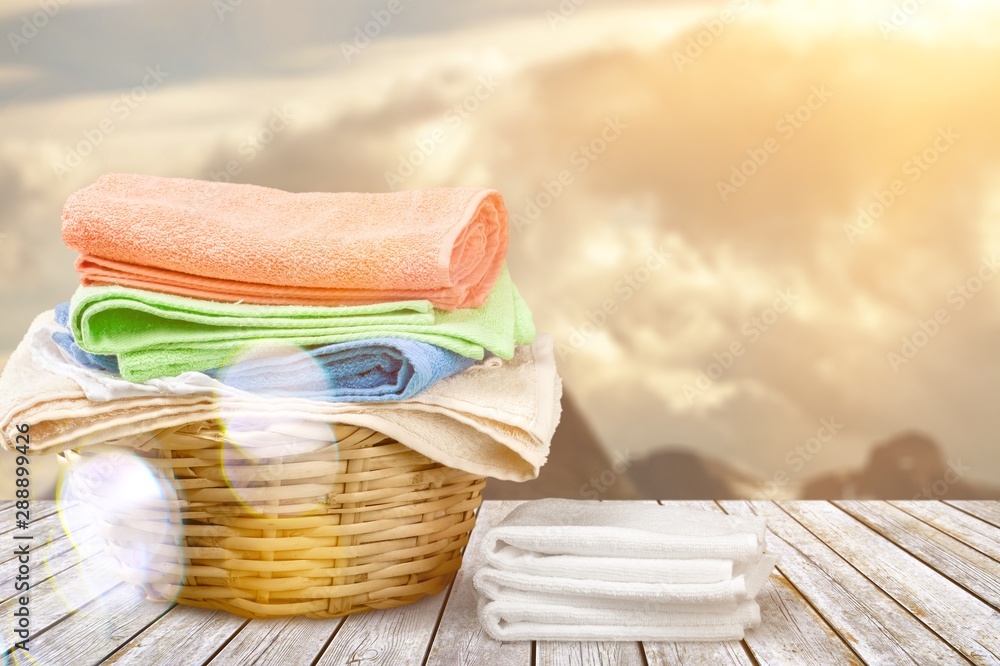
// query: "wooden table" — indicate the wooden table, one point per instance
point(858, 582)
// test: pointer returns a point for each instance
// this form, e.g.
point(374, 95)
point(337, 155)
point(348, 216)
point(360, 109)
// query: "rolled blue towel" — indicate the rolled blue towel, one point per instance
point(65, 340)
point(372, 370)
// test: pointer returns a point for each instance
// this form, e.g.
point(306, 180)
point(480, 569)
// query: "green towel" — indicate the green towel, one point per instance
point(160, 335)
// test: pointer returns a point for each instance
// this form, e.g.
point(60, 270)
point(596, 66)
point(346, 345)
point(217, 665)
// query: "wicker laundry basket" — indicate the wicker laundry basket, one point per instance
point(316, 529)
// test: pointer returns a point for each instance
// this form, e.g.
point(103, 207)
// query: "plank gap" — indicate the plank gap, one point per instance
point(805, 598)
point(750, 655)
point(642, 654)
point(930, 564)
point(326, 645)
point(226, 642)
point(889, 594)
point(829, 571)
point(956, 505)
point(131, 638)
point(437, 623)
point(903, 507)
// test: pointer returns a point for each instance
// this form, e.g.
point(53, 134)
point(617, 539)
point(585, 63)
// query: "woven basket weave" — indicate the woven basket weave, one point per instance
point(321, 530)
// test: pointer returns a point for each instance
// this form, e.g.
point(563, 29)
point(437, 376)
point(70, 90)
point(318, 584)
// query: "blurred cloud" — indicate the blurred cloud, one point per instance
point(681, 131)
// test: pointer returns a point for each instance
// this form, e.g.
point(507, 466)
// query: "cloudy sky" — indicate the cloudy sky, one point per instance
point(737, 219)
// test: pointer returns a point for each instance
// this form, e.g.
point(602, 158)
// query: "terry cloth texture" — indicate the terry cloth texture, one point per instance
point(494, 419)
point(582, 570)
point(62, 337)
point(232, 242)
point(158, 335)
point(507, 620)
point(375, 370)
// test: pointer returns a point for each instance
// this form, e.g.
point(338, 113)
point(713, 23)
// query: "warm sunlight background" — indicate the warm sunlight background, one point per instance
point(738, 140)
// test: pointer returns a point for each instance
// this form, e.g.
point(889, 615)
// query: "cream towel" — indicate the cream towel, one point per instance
point(493, 421)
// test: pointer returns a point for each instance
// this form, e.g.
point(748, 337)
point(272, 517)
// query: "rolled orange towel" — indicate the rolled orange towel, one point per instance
point(230, 242)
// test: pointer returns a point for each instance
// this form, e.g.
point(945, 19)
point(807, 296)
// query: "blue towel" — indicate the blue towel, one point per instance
point(66, 341)
point(373, 370)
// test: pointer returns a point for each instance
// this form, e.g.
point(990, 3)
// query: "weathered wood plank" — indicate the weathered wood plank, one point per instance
point(51, 552)
point(57, 596)
point(185, 635)
point(878, 629)
point(460, 639)
point(398, 636)
point(551, 653)
point(39, 511)
point(968, 624)
point(294, 640)
point(42, 531)
point(979, 534)
point(792, 632)
point(988, 510)
point(961, 563)
point(729, 653)
point(98, 629)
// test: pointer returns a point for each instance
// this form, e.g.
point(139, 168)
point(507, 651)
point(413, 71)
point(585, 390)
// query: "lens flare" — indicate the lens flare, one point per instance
point(259, 439)
point(124, 499)
point(261, 451)
point(276, 371)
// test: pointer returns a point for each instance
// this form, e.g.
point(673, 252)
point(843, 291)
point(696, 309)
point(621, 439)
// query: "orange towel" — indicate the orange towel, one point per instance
point(229, 242)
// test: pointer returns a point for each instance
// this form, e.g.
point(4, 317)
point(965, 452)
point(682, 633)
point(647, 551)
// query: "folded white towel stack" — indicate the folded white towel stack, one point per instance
point(583, 570)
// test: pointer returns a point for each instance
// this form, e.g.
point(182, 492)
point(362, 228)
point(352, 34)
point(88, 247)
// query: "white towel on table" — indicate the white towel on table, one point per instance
point(625, 529)
point(509, 620)
point(582, 570)
point(624, 569)
point(499, 584)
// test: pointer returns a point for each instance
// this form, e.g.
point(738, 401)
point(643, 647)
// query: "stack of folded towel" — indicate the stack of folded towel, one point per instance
point(202, 300)
point(565, 570)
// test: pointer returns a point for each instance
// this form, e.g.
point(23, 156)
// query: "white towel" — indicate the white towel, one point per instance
point(499, 584)
point(510, 620)
point(625, 529)
point(624, 569)
point(583, 570)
